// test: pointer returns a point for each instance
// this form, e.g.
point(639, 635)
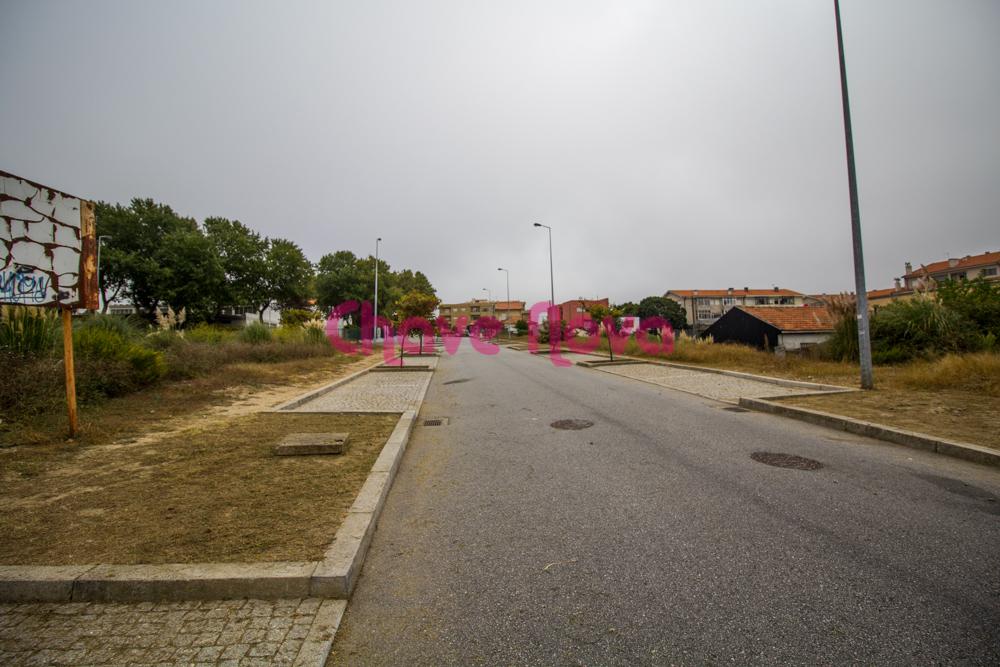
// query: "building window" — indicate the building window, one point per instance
point(989, 271)
point(704, 314)
point(956, 276)
point(729, 301)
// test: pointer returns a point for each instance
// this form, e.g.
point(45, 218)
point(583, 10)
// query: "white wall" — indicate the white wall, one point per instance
point(793, 341)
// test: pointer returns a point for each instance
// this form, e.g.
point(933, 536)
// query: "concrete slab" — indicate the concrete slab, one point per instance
point(304, 444)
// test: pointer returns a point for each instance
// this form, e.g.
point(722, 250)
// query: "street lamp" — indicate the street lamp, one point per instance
point(375, 324)
point(552, 288)
point(100, 292)
point(507, 320)
point(864, 340)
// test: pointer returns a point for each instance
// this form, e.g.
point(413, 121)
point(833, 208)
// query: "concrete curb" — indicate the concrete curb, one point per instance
point(334, 576)
point(959, 450)
point(319, 641)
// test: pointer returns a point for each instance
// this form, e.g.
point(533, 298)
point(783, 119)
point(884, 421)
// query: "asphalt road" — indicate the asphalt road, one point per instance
point(653, 538)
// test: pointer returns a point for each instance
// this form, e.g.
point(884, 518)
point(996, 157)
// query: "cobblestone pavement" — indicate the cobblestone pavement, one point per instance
point(711, 385)
point(228, 632)
point(372, 392)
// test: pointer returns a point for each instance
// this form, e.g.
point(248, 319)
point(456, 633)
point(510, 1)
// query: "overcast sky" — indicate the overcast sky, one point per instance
point(670, 145)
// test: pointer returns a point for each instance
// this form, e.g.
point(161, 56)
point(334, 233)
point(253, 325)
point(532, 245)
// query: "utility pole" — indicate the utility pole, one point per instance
point(864, 338)
point(507, 320)
point(552, 288)
point(375, 323)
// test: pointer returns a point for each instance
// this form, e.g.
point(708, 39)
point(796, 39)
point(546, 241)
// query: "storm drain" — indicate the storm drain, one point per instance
point(786, 461)
point(436, 421)
point(571, 424)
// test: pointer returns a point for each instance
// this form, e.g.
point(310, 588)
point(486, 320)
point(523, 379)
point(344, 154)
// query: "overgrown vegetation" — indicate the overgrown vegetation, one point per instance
point(115, 356)
point(960, 317)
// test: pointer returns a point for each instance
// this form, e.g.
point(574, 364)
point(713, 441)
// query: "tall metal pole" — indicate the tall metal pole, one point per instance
point(375, 323)
point(864, 339)
point(507, 321)
point(552, 288)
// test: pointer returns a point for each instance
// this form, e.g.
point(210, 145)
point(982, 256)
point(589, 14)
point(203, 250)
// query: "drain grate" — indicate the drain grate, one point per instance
point(458, 381)
point(436, 421)
point(733, 408)
point(786, 461)
point(572, 424)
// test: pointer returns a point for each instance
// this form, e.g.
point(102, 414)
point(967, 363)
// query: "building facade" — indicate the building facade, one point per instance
point(704, 307)
point(970, 267)
point(772, 327)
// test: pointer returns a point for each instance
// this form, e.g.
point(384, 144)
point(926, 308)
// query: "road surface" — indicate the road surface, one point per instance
point(652, 537)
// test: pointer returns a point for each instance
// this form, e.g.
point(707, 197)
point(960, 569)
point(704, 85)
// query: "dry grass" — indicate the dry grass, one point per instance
point(206, 494)
point(955, 396)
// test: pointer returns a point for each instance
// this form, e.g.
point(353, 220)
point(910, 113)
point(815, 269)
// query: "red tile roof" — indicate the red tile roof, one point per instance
point(967, 262)
point(785, 318)
point(736, 292)
point(509, 305)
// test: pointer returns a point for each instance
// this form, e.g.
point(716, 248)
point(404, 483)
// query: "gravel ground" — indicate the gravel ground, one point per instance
point(231, 633)
point(372, 392)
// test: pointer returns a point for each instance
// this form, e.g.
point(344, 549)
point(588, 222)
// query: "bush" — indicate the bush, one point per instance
point(114, 324)
point(255, 333)
point(207, 333)
point(921, 326)
point(120, 365)
point(297, 317)
point(977, 300)
point(522, 327)
point(28, 331)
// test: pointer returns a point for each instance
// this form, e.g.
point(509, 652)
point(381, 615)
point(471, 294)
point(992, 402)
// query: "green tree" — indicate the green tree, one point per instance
point(668, 309)
point(156, 256)
point(191, 276)
point(628, 308)
point(289, 276)
point(339, 279)
point(977, 300)
point(417, 304)
point(243, 254)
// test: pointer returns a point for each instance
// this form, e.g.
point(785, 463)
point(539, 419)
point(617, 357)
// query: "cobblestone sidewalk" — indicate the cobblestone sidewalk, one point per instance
point(229, 632)
point(711, 385)
point(373, 392)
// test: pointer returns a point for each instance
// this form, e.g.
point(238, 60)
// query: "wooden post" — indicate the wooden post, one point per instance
point(67, 327)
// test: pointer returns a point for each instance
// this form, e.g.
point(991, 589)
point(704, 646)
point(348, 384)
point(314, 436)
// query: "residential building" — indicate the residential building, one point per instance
point(772, 327)
point(228, 315)
point(509, 312)
point(579, 309)
point(704, 307)
point(970, 267)
point(471, 310)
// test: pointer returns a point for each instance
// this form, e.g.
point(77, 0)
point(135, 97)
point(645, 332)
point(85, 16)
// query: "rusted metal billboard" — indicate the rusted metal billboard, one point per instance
point(49, 246)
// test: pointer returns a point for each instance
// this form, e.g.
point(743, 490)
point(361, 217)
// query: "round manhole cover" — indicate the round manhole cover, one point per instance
point(572, 424)
point(786, 461)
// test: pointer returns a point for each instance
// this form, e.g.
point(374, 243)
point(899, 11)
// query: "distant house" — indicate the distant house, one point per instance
point(970, 267)
point(703, 307)
point(770, 327)
point(578, 310)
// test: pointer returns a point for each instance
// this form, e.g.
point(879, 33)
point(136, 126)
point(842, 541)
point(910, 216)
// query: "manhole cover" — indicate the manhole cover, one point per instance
point(572, 424)
point(458, 381)
point(786, 461)
point(733, 408)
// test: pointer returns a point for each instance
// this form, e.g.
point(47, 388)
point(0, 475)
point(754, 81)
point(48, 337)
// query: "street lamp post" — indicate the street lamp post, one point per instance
point(552, 288)
point(100, 292)
point(375, 326)
point(864, 339)
point(508, 300)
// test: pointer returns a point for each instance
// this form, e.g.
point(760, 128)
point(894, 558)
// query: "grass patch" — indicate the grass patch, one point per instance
point(206, 494)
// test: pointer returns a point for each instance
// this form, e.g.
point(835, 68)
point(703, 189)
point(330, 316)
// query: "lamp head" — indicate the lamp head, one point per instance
point(538, 224)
